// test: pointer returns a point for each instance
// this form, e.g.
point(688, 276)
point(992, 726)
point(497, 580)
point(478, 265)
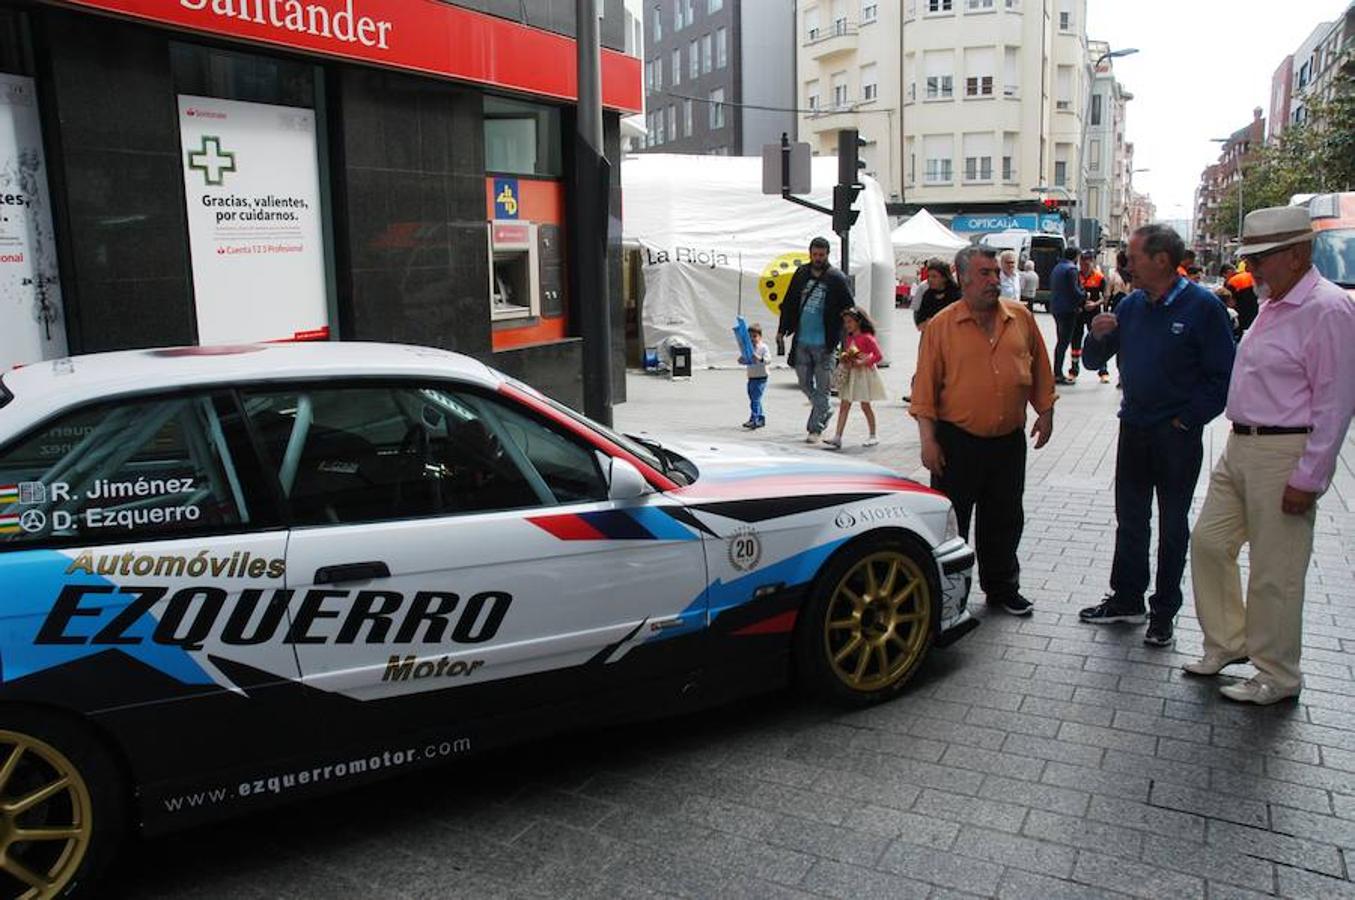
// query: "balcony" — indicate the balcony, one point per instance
point(832, 118)
point(838, 38)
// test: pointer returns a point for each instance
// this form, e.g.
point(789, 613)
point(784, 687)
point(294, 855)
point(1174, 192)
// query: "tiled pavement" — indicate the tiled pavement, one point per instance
point(1037, 758)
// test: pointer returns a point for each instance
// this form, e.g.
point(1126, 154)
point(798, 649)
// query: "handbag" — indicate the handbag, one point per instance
point(841, 371)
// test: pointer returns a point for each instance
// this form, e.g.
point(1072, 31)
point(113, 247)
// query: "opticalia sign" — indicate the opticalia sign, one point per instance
point(428, 36)
point(983, 224)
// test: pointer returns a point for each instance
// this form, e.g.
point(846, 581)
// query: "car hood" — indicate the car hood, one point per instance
point(739, 470)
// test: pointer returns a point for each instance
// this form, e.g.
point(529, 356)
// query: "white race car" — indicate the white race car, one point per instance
point(235, 576)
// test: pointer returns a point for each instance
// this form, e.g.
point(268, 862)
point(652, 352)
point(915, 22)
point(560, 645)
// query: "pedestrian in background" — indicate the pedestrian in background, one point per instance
point(757, 377)
point(1242, 285)
point(1094, 286)
point(861, 381)
point(1009, 280)
point(941, 292)
point(1290, 400)
point(1066, 297)
point(1119, 282)
point(1176, 353)
point(1030, 283)
point(982, 361)
point(815, 299)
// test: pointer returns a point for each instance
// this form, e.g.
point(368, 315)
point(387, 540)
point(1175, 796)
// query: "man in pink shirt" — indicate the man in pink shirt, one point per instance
point(1290, 400)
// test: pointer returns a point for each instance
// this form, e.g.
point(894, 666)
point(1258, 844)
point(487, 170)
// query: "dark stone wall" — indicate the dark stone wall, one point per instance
point(412, 244)
point(123, 236)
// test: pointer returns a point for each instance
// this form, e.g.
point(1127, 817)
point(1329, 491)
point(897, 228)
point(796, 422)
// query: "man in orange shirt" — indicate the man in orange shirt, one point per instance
point(1243, 288)
point(981, 362)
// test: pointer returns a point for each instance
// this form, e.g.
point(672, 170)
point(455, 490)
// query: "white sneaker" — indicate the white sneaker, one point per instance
point(870, 441)
point(812, 437)
point(1212, 664)
point(1254, 690)
point(832, 443)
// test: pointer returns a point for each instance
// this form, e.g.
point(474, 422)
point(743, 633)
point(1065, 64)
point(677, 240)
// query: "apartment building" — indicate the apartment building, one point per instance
point(965, 105)
point(1221, 179)
point(700, 96)
point(1110, 159)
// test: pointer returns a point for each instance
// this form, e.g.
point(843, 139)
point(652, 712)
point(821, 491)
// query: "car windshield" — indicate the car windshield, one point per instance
point(625, 442)
point(1334, 255)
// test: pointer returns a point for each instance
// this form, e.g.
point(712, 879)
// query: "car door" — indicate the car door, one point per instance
point(141, 567)
point(446, 538)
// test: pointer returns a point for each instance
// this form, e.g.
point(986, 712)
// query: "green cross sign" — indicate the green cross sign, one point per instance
point(211, 160)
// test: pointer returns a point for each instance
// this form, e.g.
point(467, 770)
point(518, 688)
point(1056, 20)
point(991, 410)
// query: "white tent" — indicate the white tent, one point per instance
point(921, 238)
point(713, 246)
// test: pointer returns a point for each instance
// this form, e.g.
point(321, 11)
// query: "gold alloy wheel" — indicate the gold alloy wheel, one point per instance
point(877, 621)
point(45, 817)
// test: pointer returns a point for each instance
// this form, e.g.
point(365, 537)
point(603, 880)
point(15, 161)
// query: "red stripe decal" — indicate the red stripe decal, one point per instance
point(568, 528)
point(782, 623)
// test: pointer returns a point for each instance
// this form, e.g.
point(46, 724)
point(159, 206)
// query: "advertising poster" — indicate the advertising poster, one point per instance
point(32, 325)
point(252, 184)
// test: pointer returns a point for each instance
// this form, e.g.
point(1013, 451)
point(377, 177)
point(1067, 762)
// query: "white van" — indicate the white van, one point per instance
point(1044, 248)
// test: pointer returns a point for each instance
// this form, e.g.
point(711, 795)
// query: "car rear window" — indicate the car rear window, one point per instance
point(120, 472)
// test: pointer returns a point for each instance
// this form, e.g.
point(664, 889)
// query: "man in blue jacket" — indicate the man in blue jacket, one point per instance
point(1066, 296)
point(1175, 347)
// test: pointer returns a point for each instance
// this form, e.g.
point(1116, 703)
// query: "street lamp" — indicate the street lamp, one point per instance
point(1082, 150)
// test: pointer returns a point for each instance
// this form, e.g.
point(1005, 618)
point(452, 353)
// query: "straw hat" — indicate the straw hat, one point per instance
point(1273, 228)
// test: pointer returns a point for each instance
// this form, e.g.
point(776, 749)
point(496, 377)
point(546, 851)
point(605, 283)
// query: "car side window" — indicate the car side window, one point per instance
point(382, 452)
point(122, 471)
point(569, 469)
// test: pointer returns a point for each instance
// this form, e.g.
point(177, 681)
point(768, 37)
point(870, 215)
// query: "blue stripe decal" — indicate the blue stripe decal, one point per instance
point(663, 526)
point(29, 585)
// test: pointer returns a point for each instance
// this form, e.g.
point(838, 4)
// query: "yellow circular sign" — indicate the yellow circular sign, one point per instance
point(775, 278)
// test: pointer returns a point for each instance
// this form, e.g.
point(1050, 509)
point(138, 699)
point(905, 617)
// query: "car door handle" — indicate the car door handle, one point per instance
point(360, 571)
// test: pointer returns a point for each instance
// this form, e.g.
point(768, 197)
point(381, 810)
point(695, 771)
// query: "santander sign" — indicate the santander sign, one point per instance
point(335, 21)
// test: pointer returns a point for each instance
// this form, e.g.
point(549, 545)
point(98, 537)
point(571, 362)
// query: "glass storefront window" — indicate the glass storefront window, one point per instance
point(522, 138)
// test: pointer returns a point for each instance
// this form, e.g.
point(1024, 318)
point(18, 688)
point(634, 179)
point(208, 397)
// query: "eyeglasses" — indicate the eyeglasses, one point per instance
point(1251, 259)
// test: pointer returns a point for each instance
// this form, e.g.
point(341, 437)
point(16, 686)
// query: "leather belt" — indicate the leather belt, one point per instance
point(1271, 429)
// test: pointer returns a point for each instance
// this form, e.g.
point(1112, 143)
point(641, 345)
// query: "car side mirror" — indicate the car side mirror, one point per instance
point(624, 481)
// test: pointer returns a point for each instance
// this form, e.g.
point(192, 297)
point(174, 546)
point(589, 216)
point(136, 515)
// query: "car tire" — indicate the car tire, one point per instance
point(862, 633)
point(80, 810)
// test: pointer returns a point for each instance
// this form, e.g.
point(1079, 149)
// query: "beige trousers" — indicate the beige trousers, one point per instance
point(1243, 506)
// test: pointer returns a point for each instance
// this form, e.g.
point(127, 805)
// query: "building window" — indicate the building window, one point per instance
point(938, 151)
point(935, 6)
point(812, 24)
point(717, 108)
point(522, 138)
point(870, 11)
point(1061, 154)
point(691, 15)
point(978, 157)
point(693, 60)
point(672, 121)
point(981, 86)
point(714, 6)
point(707, 54)
point(812, 94)
point(980, 63)
point(1096, 109)
point(1094, 156)
point(1014, 4)
point(939, 87)
point(677, 66)
point(1009, 156)
point(721, 47)
point(839, 90)
point(658, 74)
point(870, 88)
point(1011, 72)
point(686, 118)
point(839, 17)
point(939, 66)
point(1063, 96)
point(1065, 15)
point(978, 5)
point(677, 15)
point(658, 24)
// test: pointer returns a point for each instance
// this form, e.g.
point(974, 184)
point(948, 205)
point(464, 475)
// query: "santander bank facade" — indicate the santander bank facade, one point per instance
point(218, 171)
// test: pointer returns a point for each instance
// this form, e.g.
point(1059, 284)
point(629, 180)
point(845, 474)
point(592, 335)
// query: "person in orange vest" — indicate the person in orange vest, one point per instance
point(1186, 262)
point(1094, 283)
point(1242, 286)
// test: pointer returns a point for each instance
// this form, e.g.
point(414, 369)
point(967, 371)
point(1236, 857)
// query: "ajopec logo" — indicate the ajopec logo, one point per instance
point(845, 520)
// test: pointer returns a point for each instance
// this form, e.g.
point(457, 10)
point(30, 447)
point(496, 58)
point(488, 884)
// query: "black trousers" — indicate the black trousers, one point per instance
point(1165, 461)
point(990, 474)
point(1064, 323)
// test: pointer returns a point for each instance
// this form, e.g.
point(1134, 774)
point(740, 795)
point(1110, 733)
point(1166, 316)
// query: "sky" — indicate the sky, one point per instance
point(1202, 67)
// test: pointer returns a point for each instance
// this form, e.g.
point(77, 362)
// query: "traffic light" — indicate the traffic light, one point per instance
point(849, 186)
point(1054, 204)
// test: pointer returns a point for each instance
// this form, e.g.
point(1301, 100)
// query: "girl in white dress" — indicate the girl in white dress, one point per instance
point(858, 379)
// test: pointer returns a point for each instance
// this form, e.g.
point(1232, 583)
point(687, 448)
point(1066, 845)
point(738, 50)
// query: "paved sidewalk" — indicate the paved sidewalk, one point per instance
point(1038, 758)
